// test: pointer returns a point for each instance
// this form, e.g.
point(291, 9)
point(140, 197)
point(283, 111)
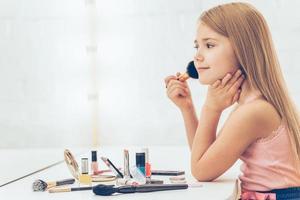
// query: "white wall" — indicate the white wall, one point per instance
point(44, 77)
point(71, 68)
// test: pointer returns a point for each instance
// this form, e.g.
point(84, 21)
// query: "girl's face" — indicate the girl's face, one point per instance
point(214, 57)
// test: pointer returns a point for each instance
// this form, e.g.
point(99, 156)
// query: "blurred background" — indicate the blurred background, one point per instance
point(88, 73)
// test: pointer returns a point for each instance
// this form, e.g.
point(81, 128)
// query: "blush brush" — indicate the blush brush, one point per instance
point(40, 185)
point(191, 72)
point(107, 190)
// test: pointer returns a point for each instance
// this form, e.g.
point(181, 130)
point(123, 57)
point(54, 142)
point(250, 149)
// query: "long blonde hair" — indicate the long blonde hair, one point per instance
point(251, 40)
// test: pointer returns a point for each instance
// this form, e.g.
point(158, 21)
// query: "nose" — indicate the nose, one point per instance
point(198, 57)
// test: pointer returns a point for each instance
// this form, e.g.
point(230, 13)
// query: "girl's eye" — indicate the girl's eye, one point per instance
point(196, 46)
point(209, 45)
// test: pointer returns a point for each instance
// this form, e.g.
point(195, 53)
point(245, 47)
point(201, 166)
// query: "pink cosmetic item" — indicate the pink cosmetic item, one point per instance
point(94, 164)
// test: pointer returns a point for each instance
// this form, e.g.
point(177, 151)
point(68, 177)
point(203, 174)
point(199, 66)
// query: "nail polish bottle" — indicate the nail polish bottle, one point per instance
point(84, 177)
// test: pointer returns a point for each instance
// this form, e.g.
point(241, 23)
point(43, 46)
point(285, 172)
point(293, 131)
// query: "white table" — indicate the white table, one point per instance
point(18, 163)
point(161, 157)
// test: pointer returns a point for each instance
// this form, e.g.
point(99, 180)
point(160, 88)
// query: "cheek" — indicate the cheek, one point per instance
point(219, 67)
point(223, 63)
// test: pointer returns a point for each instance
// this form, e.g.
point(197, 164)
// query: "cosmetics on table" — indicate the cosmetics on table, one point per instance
point(103, 178)
point(84, 177)
point(71, 163)
point(94, 164)
point(123, 181)
point(126, 165)
point(154, 181)
point(138, 175)
point(106, 190)
point(73, 189)
point(140, 162)
point(112, 167)
point(40, 185)
point(167, 172)
point(147, 163)
point(177, 179)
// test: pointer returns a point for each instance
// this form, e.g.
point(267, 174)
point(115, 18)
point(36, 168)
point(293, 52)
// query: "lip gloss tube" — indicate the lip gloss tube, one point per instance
point(94, 164)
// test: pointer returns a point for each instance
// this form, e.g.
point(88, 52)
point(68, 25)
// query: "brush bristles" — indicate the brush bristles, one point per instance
point(39, 185)
point(191, 70)
point(104, 190)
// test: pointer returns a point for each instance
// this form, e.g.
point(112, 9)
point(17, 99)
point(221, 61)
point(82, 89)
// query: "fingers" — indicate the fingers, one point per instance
point(168, 79)
point(216, 84)
point(226, 79)
point(236, 96)
point(233, 89)
point(177, 92)
point(176, 84)
point(176, 87)
point(235, 77)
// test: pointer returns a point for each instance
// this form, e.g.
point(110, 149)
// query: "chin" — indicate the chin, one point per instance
point(204, 81)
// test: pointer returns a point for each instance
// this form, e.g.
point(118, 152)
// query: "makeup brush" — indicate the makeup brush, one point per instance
point(40, 185)
point(57, 190)
point(107, 190)
point(191, 72)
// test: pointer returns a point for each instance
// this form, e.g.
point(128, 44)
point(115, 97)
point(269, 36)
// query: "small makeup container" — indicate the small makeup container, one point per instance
point(126, 165)
point(140, 162)
point(84, 177)
point(137, 175)
point(122, 181)
point(94, 164)
point(177, 179)
point(147, 164)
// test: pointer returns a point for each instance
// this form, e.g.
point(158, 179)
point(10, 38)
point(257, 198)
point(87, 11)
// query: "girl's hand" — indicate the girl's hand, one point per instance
point(178, 92)
point(223, 93)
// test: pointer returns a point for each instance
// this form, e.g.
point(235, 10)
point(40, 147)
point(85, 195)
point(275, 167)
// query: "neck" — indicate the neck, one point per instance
point(248, 93)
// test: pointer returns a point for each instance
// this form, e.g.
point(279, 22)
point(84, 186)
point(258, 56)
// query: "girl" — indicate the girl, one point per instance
point(235, 57)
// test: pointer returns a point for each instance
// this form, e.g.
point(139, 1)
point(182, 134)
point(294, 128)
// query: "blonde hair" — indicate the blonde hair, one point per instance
point(251, 40)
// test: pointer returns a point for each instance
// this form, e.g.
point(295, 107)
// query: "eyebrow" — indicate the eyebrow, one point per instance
point(205, 39)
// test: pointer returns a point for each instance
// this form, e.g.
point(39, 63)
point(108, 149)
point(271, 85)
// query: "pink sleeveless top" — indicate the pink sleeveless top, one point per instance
point(268, 163)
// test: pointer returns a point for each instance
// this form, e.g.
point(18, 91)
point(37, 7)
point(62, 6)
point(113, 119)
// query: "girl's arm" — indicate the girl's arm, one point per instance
point(211, 156)
point(206, 131)
point(180, 94)
point(222, 94)
point(190, 122)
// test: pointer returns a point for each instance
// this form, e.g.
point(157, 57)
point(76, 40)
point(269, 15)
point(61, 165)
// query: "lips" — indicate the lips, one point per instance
point(201, 69)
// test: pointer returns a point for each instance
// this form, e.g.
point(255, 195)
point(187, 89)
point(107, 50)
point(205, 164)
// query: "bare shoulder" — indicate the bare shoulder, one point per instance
point(258, 117)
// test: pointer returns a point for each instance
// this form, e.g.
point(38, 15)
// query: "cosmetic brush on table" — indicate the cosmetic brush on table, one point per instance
point(107, 190)
point(73, 189)
point(40, 185)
